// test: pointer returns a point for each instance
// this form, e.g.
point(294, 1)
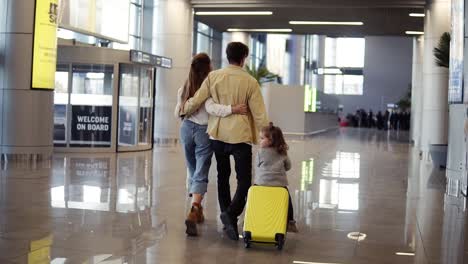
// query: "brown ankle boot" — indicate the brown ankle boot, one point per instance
point(200, 216)
point(198, 212)
point(191, 222)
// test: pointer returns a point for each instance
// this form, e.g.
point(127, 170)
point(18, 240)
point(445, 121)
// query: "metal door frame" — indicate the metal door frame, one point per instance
point(72, 55)
point(137, 147)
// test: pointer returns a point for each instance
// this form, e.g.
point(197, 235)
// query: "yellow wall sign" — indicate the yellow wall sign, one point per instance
point(45, 44)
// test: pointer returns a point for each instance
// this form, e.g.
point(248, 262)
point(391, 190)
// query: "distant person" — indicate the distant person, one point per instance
point(194, 139)
point(380, 121)
point(364, 118)
point(391, 119)
point(395, 120)
point(358, 118)
point(386, 118)
point(371, 119)
point(232, 135)
point(408, 121)
point(272, 163)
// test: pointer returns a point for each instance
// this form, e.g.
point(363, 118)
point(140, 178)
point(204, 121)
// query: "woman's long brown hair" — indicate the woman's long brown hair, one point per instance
point(276, 137)
point(199, 70)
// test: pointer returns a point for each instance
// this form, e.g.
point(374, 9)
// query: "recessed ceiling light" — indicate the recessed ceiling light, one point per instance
point(234, 13)
point(283, 30)
point(404, 254)
point(414, 32)
point(326, 23)
point(417, 15)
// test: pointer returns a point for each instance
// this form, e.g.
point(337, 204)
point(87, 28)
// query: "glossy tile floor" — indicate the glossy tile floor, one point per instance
point(360, 196)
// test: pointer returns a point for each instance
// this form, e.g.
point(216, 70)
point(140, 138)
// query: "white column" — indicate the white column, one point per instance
point(296, 61)
point(172, 37)
point(435, 79)
point(233, 37)
point(416, 90)
point(321, 62)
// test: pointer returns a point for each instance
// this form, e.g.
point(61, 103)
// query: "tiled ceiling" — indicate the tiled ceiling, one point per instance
point(380, 17)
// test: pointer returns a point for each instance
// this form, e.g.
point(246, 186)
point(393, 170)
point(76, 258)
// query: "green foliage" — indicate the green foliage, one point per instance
point(262, 74)
point(442, 51)
point(405, 102)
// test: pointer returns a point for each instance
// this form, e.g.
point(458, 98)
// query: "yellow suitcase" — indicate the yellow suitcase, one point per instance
point(266, 216)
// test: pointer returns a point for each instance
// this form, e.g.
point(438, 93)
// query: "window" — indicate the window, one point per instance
point(258, 50)
point(135, 27)
point(277, 55)
point(208, 40)
point(344, 52)
point(344, 84)
point(344, 61)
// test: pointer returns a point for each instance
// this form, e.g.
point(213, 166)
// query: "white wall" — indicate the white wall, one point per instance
point(285, 106)
point(231, 37)
point(387, 74)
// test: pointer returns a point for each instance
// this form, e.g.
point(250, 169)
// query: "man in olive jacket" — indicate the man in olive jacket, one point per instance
point(232, 135)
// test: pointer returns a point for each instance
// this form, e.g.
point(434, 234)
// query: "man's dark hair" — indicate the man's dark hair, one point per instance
point(236, 52)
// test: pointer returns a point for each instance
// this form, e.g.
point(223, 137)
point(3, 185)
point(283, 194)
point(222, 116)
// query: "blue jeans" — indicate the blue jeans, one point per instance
point(198, 152)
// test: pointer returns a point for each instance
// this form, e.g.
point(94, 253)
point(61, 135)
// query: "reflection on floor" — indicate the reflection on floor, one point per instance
point(360, 196)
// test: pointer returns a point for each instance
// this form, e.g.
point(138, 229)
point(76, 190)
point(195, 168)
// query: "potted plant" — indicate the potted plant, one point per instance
point(438, 152)
point(442, 51)
point(404, 103)
point(262, 74)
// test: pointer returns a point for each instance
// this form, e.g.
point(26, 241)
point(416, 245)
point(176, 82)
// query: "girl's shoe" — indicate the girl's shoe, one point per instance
point(292, 228)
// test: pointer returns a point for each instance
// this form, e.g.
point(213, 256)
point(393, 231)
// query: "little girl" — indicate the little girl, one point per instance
point(272, 164)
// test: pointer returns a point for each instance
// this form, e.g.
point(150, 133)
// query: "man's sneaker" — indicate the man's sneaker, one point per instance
point(192, 220)
point(230, 225)
point(292, 228)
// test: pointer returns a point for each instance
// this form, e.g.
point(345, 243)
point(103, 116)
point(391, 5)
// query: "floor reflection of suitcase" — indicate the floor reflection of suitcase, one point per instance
point(266, 216)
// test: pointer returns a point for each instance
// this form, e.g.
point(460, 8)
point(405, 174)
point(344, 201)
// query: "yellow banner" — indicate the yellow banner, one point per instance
point(45, 44)
point(39, 250)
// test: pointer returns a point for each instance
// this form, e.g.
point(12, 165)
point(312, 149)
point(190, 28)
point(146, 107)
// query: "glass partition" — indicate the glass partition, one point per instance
point(135, 106)
point(91, 105)
point(85, 110)
point(146, 106)
point(61, 104)
point(128, 104)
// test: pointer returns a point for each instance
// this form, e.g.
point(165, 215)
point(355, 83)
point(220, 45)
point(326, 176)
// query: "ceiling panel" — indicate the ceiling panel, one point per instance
point(380, 17)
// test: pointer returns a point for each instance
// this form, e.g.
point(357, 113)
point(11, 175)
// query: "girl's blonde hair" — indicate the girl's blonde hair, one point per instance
point(275, 135)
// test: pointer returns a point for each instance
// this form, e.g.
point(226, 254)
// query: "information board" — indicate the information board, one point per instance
point(45, 44)
point(150, 59)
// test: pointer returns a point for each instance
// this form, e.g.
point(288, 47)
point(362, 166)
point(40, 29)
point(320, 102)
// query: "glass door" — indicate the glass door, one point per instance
point(136, 90)
point(91, 105)
point(128, 105)
point(146, 107)
point(83, 100)
point(61, 99)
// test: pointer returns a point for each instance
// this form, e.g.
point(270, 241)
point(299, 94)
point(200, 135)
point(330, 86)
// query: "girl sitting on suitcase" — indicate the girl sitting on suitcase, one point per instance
point(272, 163)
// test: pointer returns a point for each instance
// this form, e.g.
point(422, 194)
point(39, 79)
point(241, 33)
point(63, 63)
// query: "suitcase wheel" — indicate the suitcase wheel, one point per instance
point(247, 238)
point(279, 241)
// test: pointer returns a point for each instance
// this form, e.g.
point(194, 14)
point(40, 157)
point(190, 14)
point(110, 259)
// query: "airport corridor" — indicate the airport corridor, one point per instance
point(360, 196)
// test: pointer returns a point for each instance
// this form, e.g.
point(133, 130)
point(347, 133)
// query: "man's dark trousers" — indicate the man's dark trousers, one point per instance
point(242, 154)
